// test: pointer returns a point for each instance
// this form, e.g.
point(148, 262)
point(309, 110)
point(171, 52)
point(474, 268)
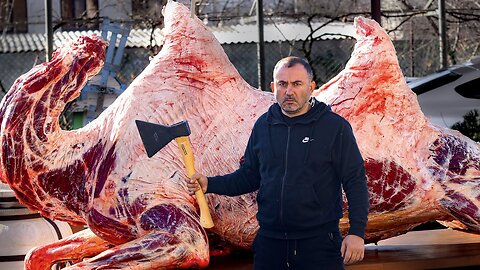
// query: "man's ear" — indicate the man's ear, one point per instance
point(272, 87)
point(312, 86)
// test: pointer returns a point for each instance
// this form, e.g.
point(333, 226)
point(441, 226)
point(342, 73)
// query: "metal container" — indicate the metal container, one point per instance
point(22, 229)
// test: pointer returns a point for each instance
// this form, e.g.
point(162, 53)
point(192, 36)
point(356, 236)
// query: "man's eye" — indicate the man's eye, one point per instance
point(297, 83)
point(282, 83)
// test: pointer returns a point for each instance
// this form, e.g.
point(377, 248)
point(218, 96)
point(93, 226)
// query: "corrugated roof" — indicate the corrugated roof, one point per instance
point(11, 43)
point(242, 33)
point(281, 32)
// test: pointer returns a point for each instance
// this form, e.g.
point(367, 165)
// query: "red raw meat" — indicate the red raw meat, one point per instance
point(138, 210)
point(416, 171)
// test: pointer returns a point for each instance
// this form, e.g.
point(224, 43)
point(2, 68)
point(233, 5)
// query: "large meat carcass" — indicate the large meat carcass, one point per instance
point(138, 211)
point(416, 171)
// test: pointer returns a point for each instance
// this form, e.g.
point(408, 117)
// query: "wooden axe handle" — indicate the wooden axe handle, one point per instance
point(187, 154)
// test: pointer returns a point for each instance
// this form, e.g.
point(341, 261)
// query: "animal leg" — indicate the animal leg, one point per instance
point(73, 248)
point(156, 250)
point(174, 240)
point(459, 177)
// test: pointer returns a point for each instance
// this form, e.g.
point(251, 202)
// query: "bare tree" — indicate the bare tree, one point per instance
point(409, 22)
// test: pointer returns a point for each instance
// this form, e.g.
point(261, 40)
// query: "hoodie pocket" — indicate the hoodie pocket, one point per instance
point(268, 199)
point(335, 240)
point(304, 207)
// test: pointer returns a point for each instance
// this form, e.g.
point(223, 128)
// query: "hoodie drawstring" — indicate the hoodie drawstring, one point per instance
point(295, 249)
point(288, 251)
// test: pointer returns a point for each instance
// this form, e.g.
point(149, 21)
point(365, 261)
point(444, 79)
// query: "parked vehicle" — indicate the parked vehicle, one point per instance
point(447, 95)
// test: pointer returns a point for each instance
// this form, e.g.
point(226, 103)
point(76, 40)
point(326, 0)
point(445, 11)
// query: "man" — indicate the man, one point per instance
point(299, 156)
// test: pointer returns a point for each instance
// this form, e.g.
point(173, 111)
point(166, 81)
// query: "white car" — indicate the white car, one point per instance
point(446, 96)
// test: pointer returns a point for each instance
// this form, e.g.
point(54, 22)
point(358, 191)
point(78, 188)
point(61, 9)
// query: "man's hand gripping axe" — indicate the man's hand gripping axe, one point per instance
point(155, 137)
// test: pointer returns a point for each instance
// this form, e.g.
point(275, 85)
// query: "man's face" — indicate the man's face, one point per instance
point(292, 89)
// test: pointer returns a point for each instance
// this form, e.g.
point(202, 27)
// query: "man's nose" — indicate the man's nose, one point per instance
point(289, 89)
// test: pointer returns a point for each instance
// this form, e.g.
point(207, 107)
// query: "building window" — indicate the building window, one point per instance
point(79, 14)
point(13, 16)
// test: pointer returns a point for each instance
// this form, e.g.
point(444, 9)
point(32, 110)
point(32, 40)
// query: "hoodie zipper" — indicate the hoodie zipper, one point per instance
point(284, 179)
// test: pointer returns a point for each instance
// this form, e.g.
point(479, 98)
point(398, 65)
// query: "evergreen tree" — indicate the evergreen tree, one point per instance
point(470, 126)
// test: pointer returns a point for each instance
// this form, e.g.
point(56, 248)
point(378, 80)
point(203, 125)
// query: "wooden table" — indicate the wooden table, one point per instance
point(430, 249)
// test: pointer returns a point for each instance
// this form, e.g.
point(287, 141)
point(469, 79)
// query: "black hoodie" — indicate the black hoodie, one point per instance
point(299, 166)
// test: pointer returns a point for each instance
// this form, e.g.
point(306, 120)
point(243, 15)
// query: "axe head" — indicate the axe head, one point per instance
point(156, 136)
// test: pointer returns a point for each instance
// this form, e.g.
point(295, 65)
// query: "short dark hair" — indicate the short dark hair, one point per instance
point(291, 61)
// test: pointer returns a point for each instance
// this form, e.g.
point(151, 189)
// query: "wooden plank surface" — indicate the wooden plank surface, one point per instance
point(430, 249)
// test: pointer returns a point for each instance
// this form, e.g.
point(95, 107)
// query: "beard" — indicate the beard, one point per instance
point(291, 105)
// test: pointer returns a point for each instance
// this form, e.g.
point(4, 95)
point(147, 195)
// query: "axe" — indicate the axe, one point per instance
point(156, 136)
